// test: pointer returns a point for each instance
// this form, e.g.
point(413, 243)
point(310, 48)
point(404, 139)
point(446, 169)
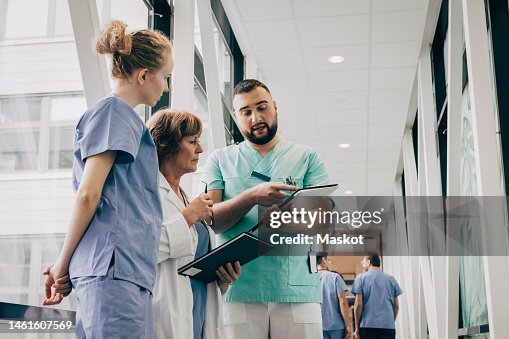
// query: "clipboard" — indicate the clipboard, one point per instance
point(311, 191)
point(243, 248)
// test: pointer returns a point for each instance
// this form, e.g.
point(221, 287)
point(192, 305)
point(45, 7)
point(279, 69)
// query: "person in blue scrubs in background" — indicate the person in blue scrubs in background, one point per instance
point(110, 250)
point(335, 319)
point(376, 301)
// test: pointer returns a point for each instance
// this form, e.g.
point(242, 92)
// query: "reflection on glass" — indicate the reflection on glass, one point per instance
point(200, 109)
point(223, 55)
point(18, 150)
point(473, 292)
point(224, 64)
point(68, 108)
point(19, 109)
point(61, 147)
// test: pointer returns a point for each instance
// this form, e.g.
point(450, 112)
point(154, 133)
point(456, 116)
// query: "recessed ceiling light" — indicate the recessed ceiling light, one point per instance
point(344, 145)
point(348, 192)
point(336, 59)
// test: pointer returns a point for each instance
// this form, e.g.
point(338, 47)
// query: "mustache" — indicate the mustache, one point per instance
point(260, 124)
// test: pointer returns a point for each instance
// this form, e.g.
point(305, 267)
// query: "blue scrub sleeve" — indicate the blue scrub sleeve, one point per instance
point(110, 128)
point(212, 174)
point(340, 284)
point(316, 173)
point(357, 286)
point(397, 290)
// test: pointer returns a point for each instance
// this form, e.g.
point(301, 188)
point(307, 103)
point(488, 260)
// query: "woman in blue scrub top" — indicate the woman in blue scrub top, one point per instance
point(184, 307)
point(110, 250)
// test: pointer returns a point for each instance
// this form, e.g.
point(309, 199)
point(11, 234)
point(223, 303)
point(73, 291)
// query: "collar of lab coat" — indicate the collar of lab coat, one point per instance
point(171, 195)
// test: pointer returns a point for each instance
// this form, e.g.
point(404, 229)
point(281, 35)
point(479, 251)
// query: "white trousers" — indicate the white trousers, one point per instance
point(272, 320)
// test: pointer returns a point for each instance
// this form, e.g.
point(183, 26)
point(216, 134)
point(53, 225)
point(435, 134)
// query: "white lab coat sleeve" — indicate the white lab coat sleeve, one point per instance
point(177, 239)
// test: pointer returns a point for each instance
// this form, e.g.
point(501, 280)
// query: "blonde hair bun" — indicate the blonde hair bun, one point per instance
point(114, 39)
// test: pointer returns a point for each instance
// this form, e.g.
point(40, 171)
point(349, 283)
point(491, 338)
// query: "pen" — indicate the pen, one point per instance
point(212, 213)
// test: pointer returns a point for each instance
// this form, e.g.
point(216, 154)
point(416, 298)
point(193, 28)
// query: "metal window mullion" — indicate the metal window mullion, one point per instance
point(496, 268)
point(418, 326)
point(430, 180)
point(454, 98)
point(400, 247)
point(212, 80)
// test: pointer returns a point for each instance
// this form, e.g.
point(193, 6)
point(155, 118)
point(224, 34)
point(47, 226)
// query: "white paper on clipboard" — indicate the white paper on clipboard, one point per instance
point(313, 191)
point(191, 271)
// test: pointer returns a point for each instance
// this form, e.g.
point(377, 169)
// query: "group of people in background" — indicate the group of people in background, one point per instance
point(133, 225)
point(376, 301)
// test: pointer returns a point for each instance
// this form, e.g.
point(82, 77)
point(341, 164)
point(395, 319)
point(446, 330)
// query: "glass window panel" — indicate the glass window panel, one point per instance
point(49, 254)
point(224, 65)
point(20, 109)
point(15, 298)
point(200, 109)
point(25, 19)
point(67, 108)
point(197, 33)
point(61, 147)
point(18, 150)
point(15, 264)
point(133, 12)
point(63, 25)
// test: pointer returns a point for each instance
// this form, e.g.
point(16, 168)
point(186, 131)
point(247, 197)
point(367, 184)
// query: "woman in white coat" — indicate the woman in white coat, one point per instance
point(184, 307)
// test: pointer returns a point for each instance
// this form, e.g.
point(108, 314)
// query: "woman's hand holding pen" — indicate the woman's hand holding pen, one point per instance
point(199, 209)
point(270, 193)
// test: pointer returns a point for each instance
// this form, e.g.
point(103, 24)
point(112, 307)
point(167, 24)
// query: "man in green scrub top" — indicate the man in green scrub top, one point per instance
point(276, 296)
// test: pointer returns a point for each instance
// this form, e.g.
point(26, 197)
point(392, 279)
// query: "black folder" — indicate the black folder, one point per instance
point(243, 248)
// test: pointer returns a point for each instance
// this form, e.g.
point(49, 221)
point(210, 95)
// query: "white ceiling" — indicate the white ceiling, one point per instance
point(362, 101)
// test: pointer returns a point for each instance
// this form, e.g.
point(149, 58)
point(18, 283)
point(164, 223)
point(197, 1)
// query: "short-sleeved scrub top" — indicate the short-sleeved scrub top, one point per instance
point(275, 278)
point(378, 291)
point(332, 284)
point(127, 223)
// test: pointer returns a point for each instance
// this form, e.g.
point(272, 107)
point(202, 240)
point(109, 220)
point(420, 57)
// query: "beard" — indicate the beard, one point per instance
point(262, 140)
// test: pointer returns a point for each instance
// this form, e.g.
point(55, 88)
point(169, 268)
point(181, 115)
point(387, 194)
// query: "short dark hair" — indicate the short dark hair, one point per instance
point(319, 257)
point(374, 259)
point(168, 128)
point(247, 85)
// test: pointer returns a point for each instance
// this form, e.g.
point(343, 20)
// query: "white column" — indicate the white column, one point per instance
point(432, 268)
point(400, 247)
point(418, 321)
point(94, 73)
point(496, 268)
point(454, 95)
point(211, 75)
point(182, 93)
